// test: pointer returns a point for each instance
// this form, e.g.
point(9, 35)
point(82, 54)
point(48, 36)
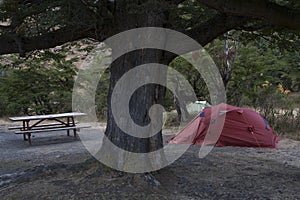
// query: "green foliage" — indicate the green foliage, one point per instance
point(192, 75)
point(92, 84)
point(101, 95)
point(190, 14)
point(254, 66)
point(39, 84)
point(171, 120)
point(265, 78)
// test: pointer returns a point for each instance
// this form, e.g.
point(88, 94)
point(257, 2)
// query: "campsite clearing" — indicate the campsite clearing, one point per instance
point(59, 167)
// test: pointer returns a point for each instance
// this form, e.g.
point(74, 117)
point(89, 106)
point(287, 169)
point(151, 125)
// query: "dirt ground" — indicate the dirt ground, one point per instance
point(59, 167)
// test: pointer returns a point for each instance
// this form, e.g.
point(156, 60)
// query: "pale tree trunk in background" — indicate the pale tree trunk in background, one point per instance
point(182, 112)
point(230, 51)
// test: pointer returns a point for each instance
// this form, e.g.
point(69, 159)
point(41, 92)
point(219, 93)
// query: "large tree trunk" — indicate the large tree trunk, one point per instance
point(141, 101)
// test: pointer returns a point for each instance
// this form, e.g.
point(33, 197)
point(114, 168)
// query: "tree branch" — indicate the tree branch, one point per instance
point(5, 27)
point(87, 24)
point(175, 2)
point(257, 27)
point(9, 45)
point(258, 9)
point(217, 25)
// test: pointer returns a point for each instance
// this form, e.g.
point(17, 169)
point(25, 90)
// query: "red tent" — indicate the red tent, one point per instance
point(242, 127)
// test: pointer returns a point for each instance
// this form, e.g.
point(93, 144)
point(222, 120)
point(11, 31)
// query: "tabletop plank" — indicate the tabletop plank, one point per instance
point(50, 116)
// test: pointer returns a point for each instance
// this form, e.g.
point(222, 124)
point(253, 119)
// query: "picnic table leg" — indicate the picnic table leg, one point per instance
point(29, 140)
point(68, 124)
point(28, 134)
point(24, 128)
point(73, 124)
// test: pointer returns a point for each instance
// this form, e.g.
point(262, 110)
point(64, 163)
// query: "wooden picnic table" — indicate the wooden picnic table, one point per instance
point(41, 123)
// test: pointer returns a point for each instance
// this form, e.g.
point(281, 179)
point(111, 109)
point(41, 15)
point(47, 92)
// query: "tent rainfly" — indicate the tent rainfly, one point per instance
point(243, 127)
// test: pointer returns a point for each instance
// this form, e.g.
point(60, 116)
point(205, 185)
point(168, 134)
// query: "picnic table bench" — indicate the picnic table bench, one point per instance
point(41, 123)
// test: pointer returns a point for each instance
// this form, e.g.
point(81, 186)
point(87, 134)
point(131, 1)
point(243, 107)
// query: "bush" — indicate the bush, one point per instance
point(42, 84)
